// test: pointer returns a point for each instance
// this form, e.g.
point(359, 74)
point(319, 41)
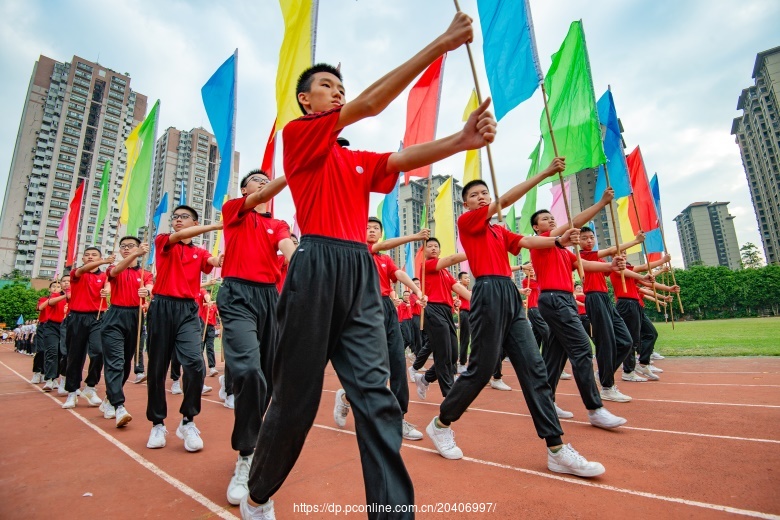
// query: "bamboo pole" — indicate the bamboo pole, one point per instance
point(422, 268)
point(644, 252)
point(671, 269)
point(615, 226)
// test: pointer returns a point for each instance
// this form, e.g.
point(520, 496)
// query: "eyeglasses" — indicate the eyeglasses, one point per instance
point(259, 180)
point(127, 247)
point(181, 216)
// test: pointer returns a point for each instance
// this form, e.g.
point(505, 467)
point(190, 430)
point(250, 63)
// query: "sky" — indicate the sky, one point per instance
point(675, 68)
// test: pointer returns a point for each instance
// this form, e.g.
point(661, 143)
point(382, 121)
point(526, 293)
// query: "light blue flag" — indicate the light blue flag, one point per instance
point(653, 239)
point(390, 220)
point(160, 210)
point(511, 57)
point(20, 321)
point(219, 98)
point(183, 194)
point(613, 149)
point(592, 225)
point(656, 191)
point(409, 262)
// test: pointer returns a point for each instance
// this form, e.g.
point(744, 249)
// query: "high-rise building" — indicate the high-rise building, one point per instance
point(757, 133)
point(76, 116)
point(186, 166)
point(707, 235)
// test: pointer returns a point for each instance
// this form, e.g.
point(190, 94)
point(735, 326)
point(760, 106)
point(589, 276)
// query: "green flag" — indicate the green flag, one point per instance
point(529, 206)
point(511, 223)
point(572, 105)
point(424, 217)
point(379, 216)
point(105, 182)
point(140, 147)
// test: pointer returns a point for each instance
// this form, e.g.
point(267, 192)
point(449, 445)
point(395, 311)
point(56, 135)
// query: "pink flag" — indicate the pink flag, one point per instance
point(558, 208)
point(464, 266)
point(295, 229)
point(63, 225)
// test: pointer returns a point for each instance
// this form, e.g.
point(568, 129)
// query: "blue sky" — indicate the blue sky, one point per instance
point(675, 68)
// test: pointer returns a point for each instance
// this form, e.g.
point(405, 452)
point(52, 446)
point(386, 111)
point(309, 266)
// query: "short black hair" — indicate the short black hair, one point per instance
point(294, 235)
point(586, 229)
point(407, 291)
point(433, 239)
point(377, 221)
point(187, 208)
point(256, 171)
point(307, 76)
point(471, 184)
point(413, 279)
point(461, 274)
point(64, 276)
point(130, 237)
point(53, 282)
point(536, 214)
point(92, 248)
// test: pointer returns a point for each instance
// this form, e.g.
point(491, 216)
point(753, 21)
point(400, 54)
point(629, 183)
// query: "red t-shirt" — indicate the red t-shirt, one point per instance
point(438, 284)
point(404, 311)
point(415, 308)
point(283, 265)
point(642, 301)
point(553, 267)
point(178, 268)
point(85, 291)
point(124, 286)
point(617, 286)
point(251, 242)
point(57, 311)
point(330, 185)
point(43, 315)
point(580, 308)
point(533, 298)
point(465, 305)
point(207, 311)
point(386, 268)
point(485, 244)
point(594, 282)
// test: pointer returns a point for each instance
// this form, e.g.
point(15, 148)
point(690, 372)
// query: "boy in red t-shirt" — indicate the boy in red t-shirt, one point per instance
point(50, 333)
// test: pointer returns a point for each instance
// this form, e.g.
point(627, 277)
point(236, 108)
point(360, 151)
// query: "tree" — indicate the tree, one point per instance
point(751, 258)
point(17, 299)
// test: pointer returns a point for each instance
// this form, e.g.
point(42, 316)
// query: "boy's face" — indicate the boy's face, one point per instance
point(432, 249)
point(476, 197)
point(374, 232)
point(91, 256)
point(587, 241)
point(406, 296)
point(127, 247)
point(65, 283)
point(254, 183)
point(326, 93)
point(465, 280)
point(55, 288)
point(417, 282)
point(544, 222)
point(578, 289)
point(182, 219)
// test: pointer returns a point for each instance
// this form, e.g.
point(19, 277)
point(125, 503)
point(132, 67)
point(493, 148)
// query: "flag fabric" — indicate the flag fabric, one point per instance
point(422, 111)
point(642, 198)
point(388, 214)
point(379, 209)
point(295, 55)
point(20, 320)
point(62, 230)
point(654, 239)
point(73, 224)
point(656, 191)
point(592, 225)
point(572, 105)
point(473, 167)
point(627, 232)
point(219, 97)
point(140, 153)
point(509, 47)
point(424, 217)
point(296, 229)
point(558, 208)
point(529, 204)
point(268, 156)
point(159, 211)
point(182, 193)
point(105, 182)
point(464, 265)
point(613, 149)
point(511, 224)
point(408, 260)
point(444, 218)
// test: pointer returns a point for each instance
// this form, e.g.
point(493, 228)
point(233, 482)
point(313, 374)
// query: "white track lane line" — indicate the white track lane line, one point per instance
point(173, 481)
point(689, 402)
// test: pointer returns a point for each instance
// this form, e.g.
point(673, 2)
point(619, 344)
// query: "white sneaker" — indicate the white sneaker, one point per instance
point(238, 488)
point(633, 377)
point(444, 441)
point(176, 388)
point(422, 386)
point(654, 369)
point(462, 369)
point(71, 401)
point(122, 416)
point(261, 512)
point(341, 409)
point(212, 372)
point(91, 396)
point(410, 433)
point(567, 460)
point(108, 411)
point(644, 371)
point(412, 373)
point(656, 356)
point(565, 375)
point(561, 413)
point(602, 418)
point(140, 378)
point(191, 436)
point(61, 387)
point(222, 392)
point(206, 389)
point(37, 378)
point(613, 394)
point(498, 384)
point(49, 386)
point(230, 402)
point(157, 437)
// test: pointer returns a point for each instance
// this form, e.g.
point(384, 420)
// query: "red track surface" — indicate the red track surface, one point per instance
point(704, 442)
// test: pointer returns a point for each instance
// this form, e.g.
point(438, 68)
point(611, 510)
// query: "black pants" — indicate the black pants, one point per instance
point(629, 310)
point(37, 348)
point(119, 337)
point(330, 309)
point(568, 339)
point(406, 332)
point(499, 325)
point(465, 337)
point(539, 327)
point(424, 353)
point(395, 353)
point(443, 340)
point(208, 344)
point(248, 313)
point(174, 326)
point(585, 320)
point(63, 353)
point(417, 340)
point(82, 339)
point(50, 335)
point(499, 365)
point(648, 336)
point(176, 366)
point(610, 335)
point(139, 362)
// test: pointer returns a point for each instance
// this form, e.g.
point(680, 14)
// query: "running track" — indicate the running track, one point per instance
point(702, 443)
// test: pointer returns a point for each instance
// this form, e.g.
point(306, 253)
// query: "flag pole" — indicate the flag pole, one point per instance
point(615, 226)
point(580, 268)
point(671, 269)
point(487, 146)
point(422, 268)
point(644, 251)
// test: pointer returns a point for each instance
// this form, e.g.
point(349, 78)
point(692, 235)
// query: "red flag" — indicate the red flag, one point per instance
point(268, 162)
point(73, 225)
point(654, 257)
point(642, 198)
point(418, 264)
point(422, 110)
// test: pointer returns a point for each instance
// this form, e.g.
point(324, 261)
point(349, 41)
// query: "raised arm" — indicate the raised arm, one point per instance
point(86, 268)
point(391, 243)
point(404, 279)
point(652, 265)
point(569, 237)
point(448, 261)
point(461, 291)
point(130, 260)
point(518, 191)
point(611, 251)
point(192, 232)
point(587, 215)
point(266, 193)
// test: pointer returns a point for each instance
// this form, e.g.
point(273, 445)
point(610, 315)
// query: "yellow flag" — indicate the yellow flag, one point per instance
point(444, 218)
point(626, 233)
point(133, 145)
point(295, 55)
point(473, 169)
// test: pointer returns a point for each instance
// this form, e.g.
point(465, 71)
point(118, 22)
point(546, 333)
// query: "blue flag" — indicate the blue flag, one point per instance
point(409, 262)
point(183, 194)
point(20, 321)
point(613, 149)
point(656, 191)
point(219, 98)
point(390, 220)
point(509, 46)
point(159, 211)
point(653, 239)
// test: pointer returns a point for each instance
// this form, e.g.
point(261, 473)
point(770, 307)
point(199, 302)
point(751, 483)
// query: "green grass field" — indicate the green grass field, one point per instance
point(737, 337)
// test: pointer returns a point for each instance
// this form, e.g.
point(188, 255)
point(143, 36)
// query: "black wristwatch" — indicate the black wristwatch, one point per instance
point(558, 243)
